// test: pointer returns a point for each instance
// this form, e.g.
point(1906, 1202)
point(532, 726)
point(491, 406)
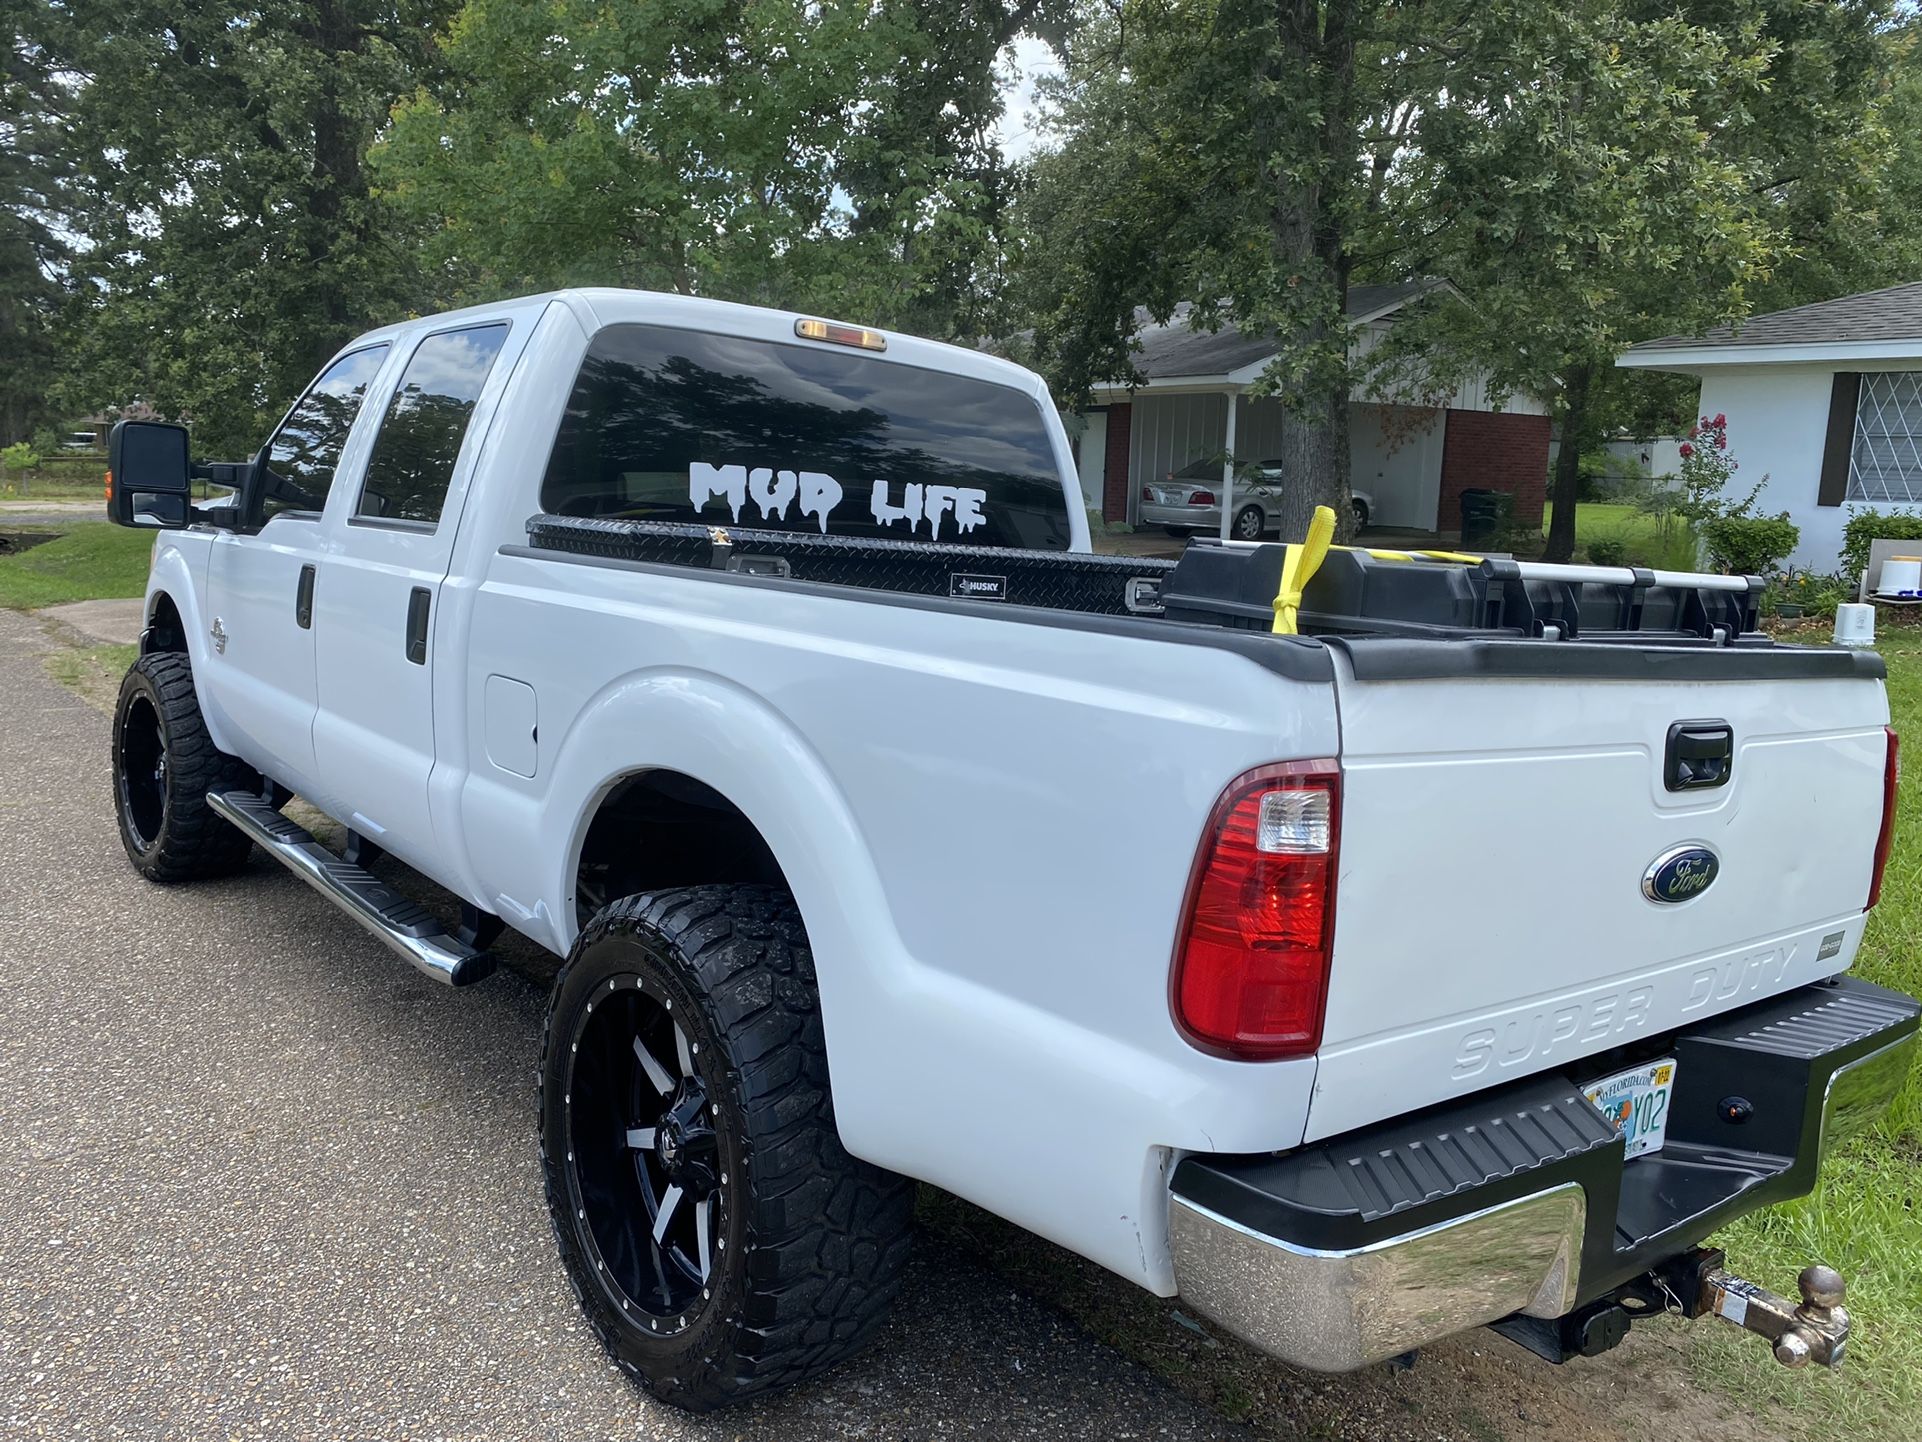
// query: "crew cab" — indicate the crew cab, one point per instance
point(1445, 942)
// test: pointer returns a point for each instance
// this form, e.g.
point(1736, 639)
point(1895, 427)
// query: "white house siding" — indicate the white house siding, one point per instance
point(1088, 434)
point(1652, 457)
point(1778, 419)
point(1411, 387)
point(1395, 452)
point(1167, 432)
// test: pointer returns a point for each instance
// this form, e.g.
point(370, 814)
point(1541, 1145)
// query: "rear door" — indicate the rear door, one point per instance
point(260, 579)
point(1492, 919)
point(379, 588)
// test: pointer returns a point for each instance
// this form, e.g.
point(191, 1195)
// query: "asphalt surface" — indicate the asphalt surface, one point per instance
point(30, 512)
point(265, 1181)
point(116, 622)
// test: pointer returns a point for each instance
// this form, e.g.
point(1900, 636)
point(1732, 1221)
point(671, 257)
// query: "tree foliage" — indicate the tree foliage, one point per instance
point(1587, 172)
point(198, 205)
point(833, 156)
point(35, 168)
point(1212, 156)
point(1701, 184)
point(231, 239)
point(1590, 181)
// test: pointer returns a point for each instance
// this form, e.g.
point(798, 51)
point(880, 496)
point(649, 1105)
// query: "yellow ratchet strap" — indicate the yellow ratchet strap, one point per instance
point(1460, 558)
point(1298, 567)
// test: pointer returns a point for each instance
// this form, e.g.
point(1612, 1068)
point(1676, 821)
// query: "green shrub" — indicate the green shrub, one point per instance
point(1607, 551)
point(1817, 596)
point(1869, 525)
point(1749, 545)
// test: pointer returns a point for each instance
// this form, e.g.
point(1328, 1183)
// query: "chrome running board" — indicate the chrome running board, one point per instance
point(406, 926)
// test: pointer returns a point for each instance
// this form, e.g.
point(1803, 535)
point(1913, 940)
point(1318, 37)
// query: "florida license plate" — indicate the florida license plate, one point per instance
point(1637, 1102)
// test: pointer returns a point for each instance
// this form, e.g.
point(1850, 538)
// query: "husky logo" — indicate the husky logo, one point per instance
point(817, 494)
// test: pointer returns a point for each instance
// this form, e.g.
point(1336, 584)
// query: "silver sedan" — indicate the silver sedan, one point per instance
point(1190, 500)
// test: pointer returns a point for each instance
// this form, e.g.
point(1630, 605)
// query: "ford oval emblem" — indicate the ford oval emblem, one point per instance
point(1681, 873)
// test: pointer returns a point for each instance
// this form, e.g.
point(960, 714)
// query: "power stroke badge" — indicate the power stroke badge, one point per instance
point(1681, 873)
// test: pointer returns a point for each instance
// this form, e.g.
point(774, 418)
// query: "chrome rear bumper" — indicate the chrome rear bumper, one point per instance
point(1336, 1311)
point(1517, 1203)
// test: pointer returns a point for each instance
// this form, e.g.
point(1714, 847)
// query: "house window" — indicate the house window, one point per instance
point(1886, 461)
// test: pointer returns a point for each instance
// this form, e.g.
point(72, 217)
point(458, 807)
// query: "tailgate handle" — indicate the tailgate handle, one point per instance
point(1700, 755)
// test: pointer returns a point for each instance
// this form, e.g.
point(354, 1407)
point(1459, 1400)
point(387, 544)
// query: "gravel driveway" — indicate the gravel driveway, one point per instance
point(265, 1181)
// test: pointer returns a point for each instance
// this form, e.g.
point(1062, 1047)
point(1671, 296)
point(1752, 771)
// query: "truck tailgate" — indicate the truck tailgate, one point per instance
point(1491, 919)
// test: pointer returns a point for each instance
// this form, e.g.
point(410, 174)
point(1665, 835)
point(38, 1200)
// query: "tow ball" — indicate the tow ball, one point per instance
point(1696, 1284)
point(1816, 1331)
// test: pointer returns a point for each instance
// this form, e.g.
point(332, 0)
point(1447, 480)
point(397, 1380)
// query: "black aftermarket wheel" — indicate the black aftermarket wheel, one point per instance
point(720, 1239)
point(164, 764)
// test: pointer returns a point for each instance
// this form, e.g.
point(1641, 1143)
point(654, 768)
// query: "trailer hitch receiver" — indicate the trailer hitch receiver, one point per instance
point(1816, 1331)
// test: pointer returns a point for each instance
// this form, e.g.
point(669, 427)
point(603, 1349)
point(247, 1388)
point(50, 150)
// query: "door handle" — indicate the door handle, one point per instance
point(417, 605)
point(304, 599)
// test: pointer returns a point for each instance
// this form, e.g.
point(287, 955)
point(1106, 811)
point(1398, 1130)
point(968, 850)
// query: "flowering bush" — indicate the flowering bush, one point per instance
point(1707, 465)
point(1734, 536)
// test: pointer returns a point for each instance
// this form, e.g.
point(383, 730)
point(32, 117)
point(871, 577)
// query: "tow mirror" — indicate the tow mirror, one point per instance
point(149, 478)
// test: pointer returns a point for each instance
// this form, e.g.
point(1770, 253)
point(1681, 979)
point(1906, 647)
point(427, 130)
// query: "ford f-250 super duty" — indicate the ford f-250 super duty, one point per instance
point(1466, 958)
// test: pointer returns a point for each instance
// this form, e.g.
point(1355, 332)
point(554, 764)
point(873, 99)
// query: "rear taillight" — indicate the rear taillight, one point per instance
point(1201, 498)
point(1891, 774)
point(1147, 494)
point(1251, 958)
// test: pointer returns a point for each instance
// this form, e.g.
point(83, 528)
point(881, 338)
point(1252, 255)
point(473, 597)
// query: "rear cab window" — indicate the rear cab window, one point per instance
point(420, 436)
point(678, 425)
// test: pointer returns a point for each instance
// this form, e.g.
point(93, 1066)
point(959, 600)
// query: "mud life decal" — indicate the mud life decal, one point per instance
point(817, 494)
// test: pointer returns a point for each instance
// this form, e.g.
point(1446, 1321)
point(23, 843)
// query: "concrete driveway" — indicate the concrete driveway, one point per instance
point(264, 1181)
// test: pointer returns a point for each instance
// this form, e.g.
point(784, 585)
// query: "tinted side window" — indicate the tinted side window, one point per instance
point(305, 450)
point(419, 440)
point(680, 425)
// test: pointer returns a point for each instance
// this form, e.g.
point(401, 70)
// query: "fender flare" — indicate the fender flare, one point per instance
point(173, 578)
point(733, 740)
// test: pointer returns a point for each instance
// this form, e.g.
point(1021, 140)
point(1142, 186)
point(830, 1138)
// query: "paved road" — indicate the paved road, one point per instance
point(30, 512)
point(264, 1181)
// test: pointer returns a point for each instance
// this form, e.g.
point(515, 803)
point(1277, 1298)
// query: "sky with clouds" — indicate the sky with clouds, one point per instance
point(1020, 64)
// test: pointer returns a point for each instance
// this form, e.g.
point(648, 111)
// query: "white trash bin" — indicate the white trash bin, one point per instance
point(1854, 624)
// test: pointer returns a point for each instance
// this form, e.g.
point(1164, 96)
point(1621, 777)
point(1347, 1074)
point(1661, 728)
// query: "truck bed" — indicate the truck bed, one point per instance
point(1388, 620)
point(1502, 744)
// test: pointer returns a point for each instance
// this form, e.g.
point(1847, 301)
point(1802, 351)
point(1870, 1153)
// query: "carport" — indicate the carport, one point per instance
point(1413, 460)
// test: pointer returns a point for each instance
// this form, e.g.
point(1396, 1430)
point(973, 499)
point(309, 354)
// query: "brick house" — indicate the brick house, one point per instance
point(1413, 460)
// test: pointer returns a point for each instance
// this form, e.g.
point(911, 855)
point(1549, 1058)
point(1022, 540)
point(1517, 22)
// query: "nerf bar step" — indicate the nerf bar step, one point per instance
point(406, 926)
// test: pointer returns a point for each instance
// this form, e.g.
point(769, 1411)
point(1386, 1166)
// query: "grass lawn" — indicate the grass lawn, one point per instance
point(1638, 531)
point(93, 671)
point(1866, 1217)
point(67, 478)
point(55, 488)
point(90, 562)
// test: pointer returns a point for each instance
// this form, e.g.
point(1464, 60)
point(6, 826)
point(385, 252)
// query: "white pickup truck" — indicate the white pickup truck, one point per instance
point(1465, 959)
